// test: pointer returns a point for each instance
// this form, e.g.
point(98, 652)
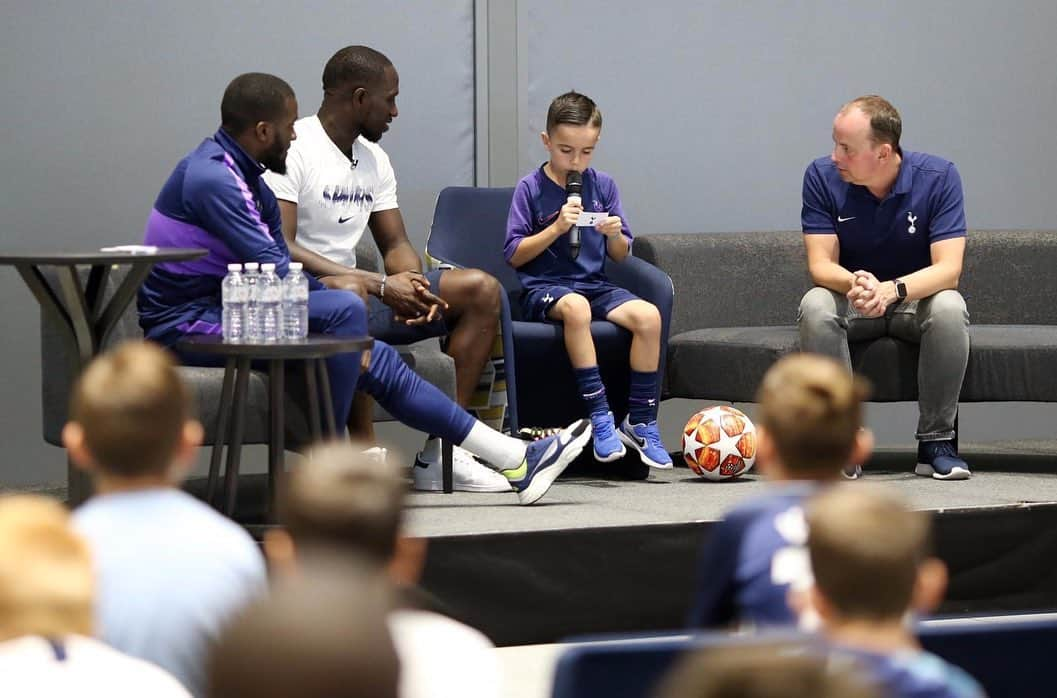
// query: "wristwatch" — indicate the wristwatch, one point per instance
point(901, 289)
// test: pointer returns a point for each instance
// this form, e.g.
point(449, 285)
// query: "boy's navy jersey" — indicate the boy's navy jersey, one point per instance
point(537, 203)
point(890, 237)
point(912, 674)
point(214, 199)
point(752, 558)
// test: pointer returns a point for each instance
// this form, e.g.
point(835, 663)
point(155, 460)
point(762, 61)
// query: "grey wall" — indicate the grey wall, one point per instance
point(712, 109)
point(101, 99)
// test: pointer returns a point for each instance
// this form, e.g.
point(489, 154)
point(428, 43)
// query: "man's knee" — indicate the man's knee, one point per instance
point(337, 312)
point(471, 289)
point(948, 307)
point(818, 305)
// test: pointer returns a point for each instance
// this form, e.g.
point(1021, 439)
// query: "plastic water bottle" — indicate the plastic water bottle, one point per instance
point(253, 315)
point(295, 303)
point(270, 304)
point(233, 300)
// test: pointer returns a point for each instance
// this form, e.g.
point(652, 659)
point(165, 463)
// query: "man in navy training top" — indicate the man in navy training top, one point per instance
point(885, 234)
point(216, 199)
point(753, 569)
point(338, 182)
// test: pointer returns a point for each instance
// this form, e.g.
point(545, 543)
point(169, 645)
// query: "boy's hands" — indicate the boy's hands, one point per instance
point(568, 215)
point(609, 226)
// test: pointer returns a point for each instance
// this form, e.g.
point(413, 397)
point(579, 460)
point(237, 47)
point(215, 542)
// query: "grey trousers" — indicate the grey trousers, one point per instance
point(939, 324)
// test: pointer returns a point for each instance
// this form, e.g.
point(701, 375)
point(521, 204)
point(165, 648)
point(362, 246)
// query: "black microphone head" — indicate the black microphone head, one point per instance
point(574, 183)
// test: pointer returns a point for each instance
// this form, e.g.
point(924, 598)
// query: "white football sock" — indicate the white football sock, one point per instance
point(499, 451)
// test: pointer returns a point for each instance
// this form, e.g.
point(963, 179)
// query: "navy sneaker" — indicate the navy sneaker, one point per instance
point(940, 460)
point(546, 459)
point(646, 439)
point(852, 472)
point(608, 446)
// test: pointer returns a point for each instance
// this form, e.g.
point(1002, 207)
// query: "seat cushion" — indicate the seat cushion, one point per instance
point(1006, 363)
point(542, 362)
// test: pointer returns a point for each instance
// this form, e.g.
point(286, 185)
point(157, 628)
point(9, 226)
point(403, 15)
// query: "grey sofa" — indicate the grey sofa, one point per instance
point(736, 298)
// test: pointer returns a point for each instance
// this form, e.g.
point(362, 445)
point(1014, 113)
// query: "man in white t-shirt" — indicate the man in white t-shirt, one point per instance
point(339, 182)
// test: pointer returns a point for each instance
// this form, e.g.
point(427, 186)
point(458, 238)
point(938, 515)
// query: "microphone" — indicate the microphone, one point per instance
point(574, 184)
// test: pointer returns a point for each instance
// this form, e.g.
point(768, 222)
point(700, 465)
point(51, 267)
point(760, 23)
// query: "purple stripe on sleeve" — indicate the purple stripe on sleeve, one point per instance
point(251, 206)
point(164, 231)
point(200, 327)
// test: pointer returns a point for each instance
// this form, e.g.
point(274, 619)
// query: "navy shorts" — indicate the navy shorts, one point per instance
point(380, 323)
point(603, 296)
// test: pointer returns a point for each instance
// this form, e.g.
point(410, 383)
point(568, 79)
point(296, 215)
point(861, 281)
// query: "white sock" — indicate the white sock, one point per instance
point(430, 450)
point(498, 451)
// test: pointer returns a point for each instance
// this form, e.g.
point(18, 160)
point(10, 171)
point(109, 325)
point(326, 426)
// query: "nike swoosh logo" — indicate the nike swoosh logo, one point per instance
point(421, 464)
point(839, 219)
point(344, 220)
point(516, 474)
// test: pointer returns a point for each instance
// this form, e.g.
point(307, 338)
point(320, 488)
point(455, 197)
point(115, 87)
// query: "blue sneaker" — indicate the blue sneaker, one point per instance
point(940, 460)
point(546, 459)
point(608, 446)
point(646, 439)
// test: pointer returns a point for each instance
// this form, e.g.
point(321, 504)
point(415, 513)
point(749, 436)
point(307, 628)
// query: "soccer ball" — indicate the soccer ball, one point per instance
point(719, 443)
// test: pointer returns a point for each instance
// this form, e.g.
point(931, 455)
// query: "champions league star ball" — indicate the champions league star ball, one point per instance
point(719, 443)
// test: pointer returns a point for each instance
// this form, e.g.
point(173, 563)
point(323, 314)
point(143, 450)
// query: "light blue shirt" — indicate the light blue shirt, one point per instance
point(170, 572)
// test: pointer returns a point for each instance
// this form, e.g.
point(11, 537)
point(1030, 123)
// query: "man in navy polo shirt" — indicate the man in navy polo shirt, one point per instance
point(885, 232)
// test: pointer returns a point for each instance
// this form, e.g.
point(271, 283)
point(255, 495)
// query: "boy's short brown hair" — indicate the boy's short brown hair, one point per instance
point(812, 408)
point(760, 671)
point(574, 109)
point(46, 581)
point(132, 406)
point(341, 498)
point(866, 548)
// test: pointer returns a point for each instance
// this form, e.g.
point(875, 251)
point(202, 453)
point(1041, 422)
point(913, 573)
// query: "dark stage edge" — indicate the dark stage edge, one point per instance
point(605, 554)
point(601, 556)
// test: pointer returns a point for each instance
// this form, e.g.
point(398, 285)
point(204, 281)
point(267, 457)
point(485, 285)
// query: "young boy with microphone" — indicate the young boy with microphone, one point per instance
point(565, 219)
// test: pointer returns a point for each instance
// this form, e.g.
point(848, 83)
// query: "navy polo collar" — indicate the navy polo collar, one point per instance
point(905, 177)
point(250, 168)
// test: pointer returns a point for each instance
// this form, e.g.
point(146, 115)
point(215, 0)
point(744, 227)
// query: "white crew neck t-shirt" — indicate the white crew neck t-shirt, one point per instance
point(334, 198)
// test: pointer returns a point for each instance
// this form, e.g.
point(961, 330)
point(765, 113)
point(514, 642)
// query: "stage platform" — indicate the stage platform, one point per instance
point(608, 555)
point(604, 554)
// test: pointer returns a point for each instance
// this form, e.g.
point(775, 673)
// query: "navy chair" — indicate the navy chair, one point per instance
point(468, 230)
point(633, 668)
point(1009, 656)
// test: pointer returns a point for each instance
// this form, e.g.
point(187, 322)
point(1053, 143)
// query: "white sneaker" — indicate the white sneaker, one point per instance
point(468, 474)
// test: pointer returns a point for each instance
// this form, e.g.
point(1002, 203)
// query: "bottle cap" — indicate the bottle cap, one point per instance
point(267, 266)
point(251, 266)
point(296, 266)
point(234, 267)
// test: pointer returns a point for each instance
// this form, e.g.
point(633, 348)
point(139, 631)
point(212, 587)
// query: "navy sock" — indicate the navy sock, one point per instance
point(413, 401)
point(592, 391)
point(642, 397)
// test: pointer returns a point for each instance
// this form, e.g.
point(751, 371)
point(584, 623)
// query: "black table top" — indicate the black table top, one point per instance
point(313, 347)
point(162, 254)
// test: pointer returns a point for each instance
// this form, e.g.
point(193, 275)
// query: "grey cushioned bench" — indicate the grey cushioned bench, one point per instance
point(736, 298)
